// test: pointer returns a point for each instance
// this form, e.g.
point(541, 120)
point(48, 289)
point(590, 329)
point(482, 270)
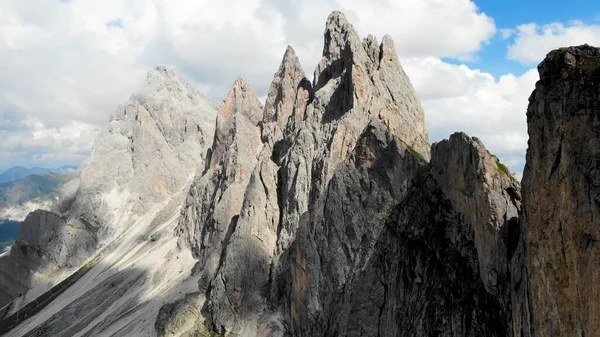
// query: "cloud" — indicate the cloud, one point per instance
point(68, 64)
point(506, 33)
point(457, 98)
point(533, 41)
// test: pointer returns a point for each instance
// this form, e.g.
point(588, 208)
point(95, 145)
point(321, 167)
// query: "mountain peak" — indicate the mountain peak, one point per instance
point(280, 103)
point(163, 75)
point(337, 22)
point(290, 61)
point(289, 52)
point(241, 102)
point(571, 62)
point(241, 99)
point(340, 36)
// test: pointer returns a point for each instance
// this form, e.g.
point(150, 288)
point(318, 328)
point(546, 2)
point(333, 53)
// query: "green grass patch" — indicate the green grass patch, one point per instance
point(590, 64)
point(465, 136)
point(556, 52)
point(502, 168)
point(76, 226)
point(415, 152)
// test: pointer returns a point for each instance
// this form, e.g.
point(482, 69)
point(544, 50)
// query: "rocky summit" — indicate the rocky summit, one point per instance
point(323, 212)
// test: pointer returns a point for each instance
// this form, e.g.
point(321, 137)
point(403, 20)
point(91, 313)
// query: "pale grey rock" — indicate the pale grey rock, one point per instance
point(216, 196)
point(308, 135)
point(336, 239)
point(181, 318)
point(355, 82)
point(239, 297)
point(241, 99)
point(281, 99)
point(239, 237)
point(152, 146)
point(149, 151)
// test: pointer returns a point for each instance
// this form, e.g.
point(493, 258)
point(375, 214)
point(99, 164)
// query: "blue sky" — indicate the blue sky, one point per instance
point(67, 65)
point(512, 13)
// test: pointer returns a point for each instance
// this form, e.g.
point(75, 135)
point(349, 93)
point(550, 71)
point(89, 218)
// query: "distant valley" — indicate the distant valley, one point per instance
point(34, 191)
point(9, 229)
point(21, 196)
point(19, 172)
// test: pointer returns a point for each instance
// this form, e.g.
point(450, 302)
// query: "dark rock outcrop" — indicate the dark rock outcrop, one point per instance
point(561, 193)
point(439, 267)
point(46, 243)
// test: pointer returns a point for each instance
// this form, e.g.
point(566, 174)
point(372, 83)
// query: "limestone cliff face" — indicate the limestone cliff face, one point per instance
point(150, 149)
point(147, 154)
point(355, 82)
point(336, 239)
point(440, 265)
point(320, 143)
point(288, 93)
point(216, 196)
point(482, 189)
point(561, 190)
point(309, 248)
point(232, 211)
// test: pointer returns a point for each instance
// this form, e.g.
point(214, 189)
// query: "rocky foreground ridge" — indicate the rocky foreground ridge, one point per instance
point(325, 212)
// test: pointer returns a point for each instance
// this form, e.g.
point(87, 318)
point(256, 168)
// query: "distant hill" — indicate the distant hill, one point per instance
point(17, 198)
point(67, 169)
point(9, 230)
point(19, 172)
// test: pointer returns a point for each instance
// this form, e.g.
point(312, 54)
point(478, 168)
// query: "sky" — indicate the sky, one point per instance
point(66, 65)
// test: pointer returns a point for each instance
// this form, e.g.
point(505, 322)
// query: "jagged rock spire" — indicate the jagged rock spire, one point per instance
point(216, 196)
point(281, 100)
point(366, 77)
point(339, 36)
point(240, 101)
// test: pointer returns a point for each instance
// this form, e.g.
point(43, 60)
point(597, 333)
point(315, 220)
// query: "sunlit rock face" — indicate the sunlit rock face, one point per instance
point(131, 184)
point(149, 150)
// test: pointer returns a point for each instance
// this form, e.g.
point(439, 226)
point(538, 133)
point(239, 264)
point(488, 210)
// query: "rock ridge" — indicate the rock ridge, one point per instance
point(325, 212)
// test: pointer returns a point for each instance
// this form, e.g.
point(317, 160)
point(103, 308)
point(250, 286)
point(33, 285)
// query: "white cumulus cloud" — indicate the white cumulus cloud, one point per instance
point(492, 109)
point(68, 65)
point(534, 41)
